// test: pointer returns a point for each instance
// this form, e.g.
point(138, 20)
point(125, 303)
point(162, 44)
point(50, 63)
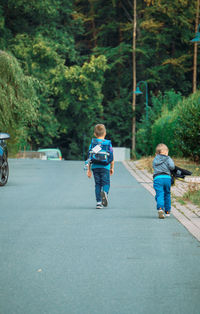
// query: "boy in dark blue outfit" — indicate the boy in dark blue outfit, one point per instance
point(101, 167)
point(162, 165)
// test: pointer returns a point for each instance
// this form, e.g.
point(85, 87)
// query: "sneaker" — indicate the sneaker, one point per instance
point(161, 214)
point(167, 214)
point(99, 206)
point(104, 197)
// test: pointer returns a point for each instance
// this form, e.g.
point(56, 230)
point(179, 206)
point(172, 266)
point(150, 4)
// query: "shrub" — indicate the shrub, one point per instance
point(144, 140)
point(164, 130)
point(161, 106)
point(180, 129)
point(188, 130)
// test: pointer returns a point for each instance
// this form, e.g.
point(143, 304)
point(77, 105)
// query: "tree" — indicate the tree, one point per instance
point(164, 44)
point(54, 42)
point(113, 38)
point(79, 94)
point(19, 101)
point(41, 38)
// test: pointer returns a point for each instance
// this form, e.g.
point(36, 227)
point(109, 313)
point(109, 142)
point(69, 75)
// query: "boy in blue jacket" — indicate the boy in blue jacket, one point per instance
point(101, 164)
point(162, 165)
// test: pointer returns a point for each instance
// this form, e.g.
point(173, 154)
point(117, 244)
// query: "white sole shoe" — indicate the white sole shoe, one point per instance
point(161, 214)
point(104, 198)
point(99, 206)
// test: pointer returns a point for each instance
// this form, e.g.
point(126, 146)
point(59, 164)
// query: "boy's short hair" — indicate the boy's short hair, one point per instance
point(99, 130)
point(161, 147)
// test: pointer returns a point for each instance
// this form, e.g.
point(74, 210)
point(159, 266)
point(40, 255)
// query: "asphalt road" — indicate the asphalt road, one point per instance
point(60, 255)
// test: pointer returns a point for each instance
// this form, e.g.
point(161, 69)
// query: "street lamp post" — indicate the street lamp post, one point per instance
point(196, 41)
point(138, 92)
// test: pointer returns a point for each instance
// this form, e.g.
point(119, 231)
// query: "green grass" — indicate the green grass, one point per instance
point(192, 196)
point(180, 200)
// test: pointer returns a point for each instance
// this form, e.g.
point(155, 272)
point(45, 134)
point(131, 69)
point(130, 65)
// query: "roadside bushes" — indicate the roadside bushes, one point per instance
point(178, 128)
point(188, 131)
point(164, 130)
point(162, 104)
point(144, 144)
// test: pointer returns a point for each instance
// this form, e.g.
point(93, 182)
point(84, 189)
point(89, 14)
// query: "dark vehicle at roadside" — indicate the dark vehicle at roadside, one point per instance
point(4, 168)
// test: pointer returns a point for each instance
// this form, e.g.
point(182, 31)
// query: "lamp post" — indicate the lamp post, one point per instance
point(196, 39)
point(138, 92)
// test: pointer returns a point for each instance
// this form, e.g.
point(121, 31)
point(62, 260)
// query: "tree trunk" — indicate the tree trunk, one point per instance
point(119, 68)
point(195, 50)
point(94, 32)
point(134, 74)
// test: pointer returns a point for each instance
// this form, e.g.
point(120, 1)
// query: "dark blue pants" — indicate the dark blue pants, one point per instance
point(162, 186)
point(102, 181)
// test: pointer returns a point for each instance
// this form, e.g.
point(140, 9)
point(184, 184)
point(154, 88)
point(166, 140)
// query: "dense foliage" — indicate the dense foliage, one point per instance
point(178, 128)
point(188, 130)
point(156, 129)
point(74, 63)
point(19, 102)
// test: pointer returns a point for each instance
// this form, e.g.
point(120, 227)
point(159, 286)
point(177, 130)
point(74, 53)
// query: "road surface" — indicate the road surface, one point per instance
point(60, 255)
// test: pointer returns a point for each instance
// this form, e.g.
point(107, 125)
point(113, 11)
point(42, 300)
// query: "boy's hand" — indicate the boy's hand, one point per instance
point(89, 173)
point(111, 171)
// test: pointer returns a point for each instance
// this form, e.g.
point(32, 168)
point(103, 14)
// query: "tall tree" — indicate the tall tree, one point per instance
point(164, 44)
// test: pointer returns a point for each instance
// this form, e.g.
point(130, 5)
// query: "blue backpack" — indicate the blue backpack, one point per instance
point(100, 152)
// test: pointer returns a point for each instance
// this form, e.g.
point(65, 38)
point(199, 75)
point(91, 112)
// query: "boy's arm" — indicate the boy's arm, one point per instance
point(112, 167)
point(171, 164)
point(112, 159)
point(89, 171)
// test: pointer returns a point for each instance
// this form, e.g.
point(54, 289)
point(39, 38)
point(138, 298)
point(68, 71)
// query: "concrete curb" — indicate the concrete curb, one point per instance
point(188, 215)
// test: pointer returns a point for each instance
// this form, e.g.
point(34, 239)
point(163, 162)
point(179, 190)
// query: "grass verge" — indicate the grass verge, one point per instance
point(193, 196)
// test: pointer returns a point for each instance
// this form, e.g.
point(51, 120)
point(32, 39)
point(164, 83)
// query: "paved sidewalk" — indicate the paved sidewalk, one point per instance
point(188, 214)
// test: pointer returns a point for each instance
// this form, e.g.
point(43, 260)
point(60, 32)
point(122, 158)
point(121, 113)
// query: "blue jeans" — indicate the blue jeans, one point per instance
point(102, 181)
point(162, 186)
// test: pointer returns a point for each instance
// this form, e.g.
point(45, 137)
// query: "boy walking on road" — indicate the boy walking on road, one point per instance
point(162, 165)
point(101, 163)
